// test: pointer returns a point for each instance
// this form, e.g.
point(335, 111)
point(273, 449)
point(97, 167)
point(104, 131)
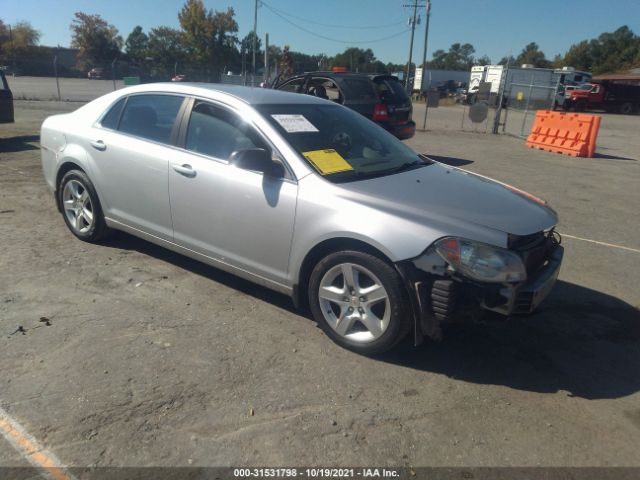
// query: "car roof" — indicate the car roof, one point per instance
point(335, 74)
point(248, 95)
point(384, 76)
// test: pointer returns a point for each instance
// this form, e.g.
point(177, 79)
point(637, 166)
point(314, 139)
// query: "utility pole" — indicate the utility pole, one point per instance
point(255, 38)
point(424, 62)
point(413, 19)
point(266, 60)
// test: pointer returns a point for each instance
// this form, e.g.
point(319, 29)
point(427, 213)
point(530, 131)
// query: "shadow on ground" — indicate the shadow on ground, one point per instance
point(613, 157)
point(584, 342)
point(451, 161)
point(125, 241)
point(19, 144)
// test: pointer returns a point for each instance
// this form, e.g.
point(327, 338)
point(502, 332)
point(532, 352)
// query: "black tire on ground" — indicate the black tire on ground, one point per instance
point(400, 320)
point(626, 108)
point(99, 229)
point(581, 106)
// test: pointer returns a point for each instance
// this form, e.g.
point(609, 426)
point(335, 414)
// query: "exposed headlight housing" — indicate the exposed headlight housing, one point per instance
point(480, 261)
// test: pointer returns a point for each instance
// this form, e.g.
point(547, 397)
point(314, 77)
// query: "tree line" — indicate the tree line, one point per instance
point(206, 45)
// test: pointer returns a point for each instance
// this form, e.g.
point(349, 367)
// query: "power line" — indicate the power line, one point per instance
point(334, 39)
point(330, 25)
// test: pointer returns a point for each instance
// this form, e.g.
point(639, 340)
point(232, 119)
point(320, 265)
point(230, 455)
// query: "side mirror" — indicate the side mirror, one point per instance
point(258, 160)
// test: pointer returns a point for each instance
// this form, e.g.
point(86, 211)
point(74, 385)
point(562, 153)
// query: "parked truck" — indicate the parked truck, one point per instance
point(611, 93)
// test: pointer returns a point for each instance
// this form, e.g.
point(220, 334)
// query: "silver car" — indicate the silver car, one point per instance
point(305, 197)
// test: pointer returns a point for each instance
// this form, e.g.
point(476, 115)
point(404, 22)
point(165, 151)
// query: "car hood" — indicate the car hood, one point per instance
point(448, 195)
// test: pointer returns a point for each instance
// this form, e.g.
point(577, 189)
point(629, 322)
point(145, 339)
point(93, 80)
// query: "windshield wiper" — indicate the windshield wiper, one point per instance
point(405, 166)
point(350, 175)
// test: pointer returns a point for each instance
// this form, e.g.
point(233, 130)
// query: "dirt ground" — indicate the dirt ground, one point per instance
point(153, 359)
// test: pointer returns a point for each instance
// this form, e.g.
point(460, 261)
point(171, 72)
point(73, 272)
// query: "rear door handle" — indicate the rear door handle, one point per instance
point(99, 145)
point(186, 169)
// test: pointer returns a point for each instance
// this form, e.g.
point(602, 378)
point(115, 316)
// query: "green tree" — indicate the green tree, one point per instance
point(611, 52)
point(531, 54)
point(247, 43)
point(209, 37)
point(17, 40)
point(98, 42)
point(615, 51)
point(285, 64)
point(165, 49)
point(459, 57)
point(579, 56)
point(510, 60)
point(137, 45)
point(355, 59)
point(483, 60)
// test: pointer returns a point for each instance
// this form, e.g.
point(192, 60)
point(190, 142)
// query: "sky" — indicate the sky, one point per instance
point(494, 27)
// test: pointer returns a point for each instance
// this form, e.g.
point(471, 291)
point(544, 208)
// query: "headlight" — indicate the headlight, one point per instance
point(480, 261)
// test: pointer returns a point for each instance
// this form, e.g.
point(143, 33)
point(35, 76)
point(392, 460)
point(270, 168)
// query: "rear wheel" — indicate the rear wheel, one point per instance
point(359, 301)
point(626, 108)
point(80, 207)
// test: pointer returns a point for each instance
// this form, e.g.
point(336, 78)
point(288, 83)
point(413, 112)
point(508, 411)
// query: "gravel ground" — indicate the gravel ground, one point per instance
point(154, 359)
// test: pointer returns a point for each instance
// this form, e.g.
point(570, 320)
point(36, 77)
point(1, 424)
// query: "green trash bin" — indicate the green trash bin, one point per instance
point(131, 80)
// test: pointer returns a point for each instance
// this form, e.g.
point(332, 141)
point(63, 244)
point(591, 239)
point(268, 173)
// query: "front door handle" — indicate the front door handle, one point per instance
point(186, 169)
point(99, 145)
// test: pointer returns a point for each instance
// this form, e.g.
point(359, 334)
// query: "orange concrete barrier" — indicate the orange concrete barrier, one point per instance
point(568, 133)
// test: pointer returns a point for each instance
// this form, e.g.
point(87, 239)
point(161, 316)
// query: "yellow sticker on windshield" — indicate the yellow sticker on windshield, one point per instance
point(327, 161)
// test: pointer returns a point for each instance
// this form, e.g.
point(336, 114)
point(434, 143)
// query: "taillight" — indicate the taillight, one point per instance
point(380, 113)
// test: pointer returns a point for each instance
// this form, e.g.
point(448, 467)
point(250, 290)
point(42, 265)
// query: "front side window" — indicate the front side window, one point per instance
point(292, 86)
point(326, 89)
point(217, 132)
point(150, 116)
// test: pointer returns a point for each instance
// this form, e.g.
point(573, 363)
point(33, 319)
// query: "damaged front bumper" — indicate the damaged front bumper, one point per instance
point(525, 297)
point(439, 296)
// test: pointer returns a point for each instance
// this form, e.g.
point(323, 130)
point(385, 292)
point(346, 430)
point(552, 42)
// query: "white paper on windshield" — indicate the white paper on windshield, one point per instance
point(294, 123)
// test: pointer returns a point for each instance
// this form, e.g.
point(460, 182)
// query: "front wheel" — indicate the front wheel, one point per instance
point(359, 302)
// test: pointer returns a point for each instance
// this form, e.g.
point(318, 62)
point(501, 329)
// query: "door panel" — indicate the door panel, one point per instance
point(236, 216)
point(131, 174)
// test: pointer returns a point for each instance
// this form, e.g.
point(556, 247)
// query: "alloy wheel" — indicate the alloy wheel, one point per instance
point(77, 206)
point(354, 302)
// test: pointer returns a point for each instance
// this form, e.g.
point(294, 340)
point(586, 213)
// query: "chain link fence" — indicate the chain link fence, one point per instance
point(509, 109)
point(56, 78)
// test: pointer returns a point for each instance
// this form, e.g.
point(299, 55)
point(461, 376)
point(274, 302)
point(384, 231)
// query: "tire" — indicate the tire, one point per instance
point(80, 207)
point(371, 318)
point(626, 108)
point(581, 106)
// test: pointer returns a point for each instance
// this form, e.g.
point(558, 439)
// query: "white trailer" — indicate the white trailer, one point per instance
point(478, 75)
point(437, 78)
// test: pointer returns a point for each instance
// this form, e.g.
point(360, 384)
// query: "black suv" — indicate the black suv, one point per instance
point(6, 100)
point(380, 98)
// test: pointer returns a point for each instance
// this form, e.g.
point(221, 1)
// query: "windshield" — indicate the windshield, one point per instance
point(340, 144)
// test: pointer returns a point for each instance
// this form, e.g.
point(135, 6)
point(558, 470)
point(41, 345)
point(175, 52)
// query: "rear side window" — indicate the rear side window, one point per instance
point(111, 119)
point(150, 116)
point(361, 89)
point(391, 91)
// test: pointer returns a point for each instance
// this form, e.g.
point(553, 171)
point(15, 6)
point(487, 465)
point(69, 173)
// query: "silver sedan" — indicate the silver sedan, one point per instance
point(305, 197)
